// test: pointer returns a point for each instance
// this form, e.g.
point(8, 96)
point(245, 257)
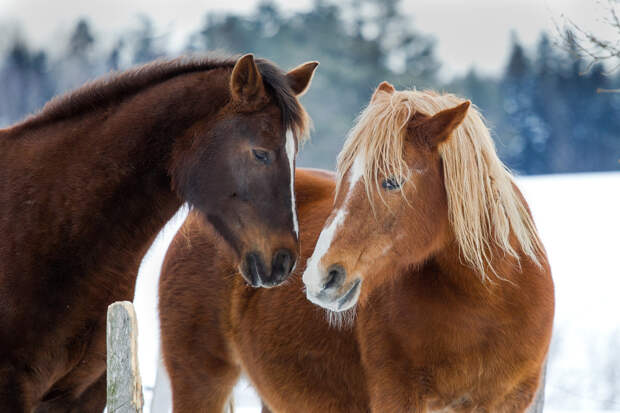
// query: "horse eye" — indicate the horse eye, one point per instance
point(261, 156)
point(391, 184)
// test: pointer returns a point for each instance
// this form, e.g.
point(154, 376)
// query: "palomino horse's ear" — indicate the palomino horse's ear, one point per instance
point(246, 82)
point(299, 79)
point(384, 87)
point(437, 128)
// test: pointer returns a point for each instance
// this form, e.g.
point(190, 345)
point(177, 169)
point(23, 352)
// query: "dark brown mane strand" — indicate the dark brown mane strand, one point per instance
point(293, 115)
point(116, 86)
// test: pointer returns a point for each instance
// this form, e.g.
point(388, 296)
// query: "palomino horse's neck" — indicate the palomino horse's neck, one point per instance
point(101, 178)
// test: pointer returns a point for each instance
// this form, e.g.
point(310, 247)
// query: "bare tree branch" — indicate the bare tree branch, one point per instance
point(591, 46)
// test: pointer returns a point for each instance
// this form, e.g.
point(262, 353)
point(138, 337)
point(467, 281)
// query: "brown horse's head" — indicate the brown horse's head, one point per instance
point(238, 167)
point(391, 209)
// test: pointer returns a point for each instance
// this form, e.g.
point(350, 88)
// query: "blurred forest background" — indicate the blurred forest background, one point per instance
point(544, 109)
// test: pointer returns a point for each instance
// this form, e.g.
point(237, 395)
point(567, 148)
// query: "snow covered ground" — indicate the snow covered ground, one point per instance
point(578, 217)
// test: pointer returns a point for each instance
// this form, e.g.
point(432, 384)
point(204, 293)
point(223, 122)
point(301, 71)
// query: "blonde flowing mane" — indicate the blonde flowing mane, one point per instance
point(484, 207)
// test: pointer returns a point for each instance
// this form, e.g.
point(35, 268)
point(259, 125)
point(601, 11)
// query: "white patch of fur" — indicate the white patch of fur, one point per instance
point(357, 171)
point(290, 153)
point(313, 275)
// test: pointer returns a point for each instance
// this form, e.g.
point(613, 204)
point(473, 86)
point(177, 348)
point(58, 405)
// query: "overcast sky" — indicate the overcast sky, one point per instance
point(471, 32)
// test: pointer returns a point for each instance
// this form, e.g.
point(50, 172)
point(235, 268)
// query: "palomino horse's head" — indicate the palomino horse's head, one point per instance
point(238, 169)
point(418, 171)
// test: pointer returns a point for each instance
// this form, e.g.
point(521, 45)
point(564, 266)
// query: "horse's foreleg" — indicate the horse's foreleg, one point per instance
point(203, 388)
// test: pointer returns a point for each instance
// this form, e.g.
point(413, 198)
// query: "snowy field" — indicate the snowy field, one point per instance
point(578, 217)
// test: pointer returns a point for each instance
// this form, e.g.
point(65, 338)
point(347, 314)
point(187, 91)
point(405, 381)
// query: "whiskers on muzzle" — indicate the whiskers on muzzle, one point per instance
point(340, 320)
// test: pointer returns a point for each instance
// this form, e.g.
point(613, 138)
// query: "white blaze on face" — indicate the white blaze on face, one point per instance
point(290, 153)
point(313, 276)
point(357, 170)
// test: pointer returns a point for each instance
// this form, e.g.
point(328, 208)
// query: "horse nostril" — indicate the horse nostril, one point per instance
point(282, 262)
point(255, 268)
point(335, 277)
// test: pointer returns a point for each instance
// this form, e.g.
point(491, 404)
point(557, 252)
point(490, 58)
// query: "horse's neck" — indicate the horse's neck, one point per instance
point(429, 293)
point(447, 269)
point(93, 192)
point(450, 265)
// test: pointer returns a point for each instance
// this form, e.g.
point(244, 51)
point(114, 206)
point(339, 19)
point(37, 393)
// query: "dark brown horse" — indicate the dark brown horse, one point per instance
point(438, 293)
point(88, 182)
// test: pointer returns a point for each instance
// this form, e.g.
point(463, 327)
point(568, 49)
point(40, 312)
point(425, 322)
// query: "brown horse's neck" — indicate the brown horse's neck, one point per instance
point(94, 189)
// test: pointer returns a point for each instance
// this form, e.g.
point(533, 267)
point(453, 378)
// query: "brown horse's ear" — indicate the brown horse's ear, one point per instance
point(384, 87)
point(246, 82)
point(299, 79)
point(437, 128)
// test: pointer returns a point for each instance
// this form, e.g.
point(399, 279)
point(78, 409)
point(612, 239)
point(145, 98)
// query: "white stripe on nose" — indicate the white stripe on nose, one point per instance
point(312, 276)
point(290, 153)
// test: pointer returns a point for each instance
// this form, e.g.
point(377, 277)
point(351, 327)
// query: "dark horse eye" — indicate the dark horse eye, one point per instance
point(262, 156)
point(391, 184)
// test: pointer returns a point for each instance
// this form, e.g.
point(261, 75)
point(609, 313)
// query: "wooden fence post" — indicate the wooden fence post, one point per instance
point(123, 375)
